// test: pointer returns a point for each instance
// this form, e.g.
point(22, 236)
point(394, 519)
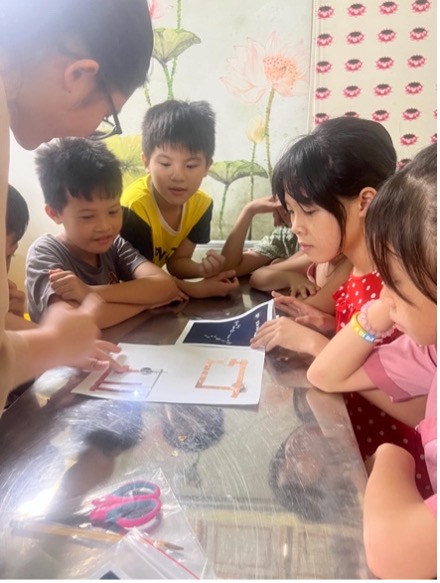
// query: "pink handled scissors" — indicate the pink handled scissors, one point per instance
point(132, 504)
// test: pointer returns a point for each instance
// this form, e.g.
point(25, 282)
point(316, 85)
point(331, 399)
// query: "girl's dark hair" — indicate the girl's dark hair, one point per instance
point(17, 213)
point(336, 161)
point(115, 33)
point(402, 223)
point(190, 125)
point(78, 167)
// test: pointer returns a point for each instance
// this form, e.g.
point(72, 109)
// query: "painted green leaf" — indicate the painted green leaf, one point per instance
point(128, 150)
point(169, 43)
point(229, 171)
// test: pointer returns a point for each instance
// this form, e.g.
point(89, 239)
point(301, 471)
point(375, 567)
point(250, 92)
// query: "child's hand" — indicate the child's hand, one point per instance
point(266, 204)
point(17, 299)
point(281, 217)
point(100, 358)
point(301, 287)
point(287, 304)
point(220, 285)
point(305, 314)
point(68, 286)
point(211, 264)
point(72, 331)
point(282, 332)
point(179, 297)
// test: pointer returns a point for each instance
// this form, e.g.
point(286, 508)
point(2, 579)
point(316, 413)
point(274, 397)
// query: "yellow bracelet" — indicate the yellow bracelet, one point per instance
point(368, 336)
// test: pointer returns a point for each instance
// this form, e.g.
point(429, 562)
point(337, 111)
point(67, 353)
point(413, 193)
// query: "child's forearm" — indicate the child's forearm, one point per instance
point(339, 366)
point(315, 342)
point(184, 267)
point(233, 247)
point(145, 291)
point(219, 285)
point(112, 313)
point(269, 279)
point(344, 354)
point(399, 529)
point(281, 275)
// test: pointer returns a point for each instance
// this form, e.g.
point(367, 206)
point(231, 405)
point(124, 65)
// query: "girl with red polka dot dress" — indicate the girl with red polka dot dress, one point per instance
point(327, 180)
point(399, 520)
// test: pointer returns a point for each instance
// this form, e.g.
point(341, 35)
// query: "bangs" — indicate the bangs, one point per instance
point(96, 191)
point(302, 173)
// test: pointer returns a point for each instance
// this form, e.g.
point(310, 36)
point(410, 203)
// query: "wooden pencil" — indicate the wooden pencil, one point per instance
point(56, 529)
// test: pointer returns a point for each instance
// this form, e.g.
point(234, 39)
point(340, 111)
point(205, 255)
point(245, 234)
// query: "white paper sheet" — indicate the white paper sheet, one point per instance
point(182, 373)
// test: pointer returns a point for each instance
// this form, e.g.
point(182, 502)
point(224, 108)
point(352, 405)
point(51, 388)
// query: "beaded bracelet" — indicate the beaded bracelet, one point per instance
point(368, 336)
point(363, 321)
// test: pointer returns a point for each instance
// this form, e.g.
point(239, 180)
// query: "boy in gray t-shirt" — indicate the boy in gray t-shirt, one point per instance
point(82, 184)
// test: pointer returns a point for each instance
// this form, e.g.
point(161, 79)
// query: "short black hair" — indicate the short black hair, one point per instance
point(401, 222)
point(115, 33)
point(77, 166)
point(17, 213)
point(190, 125)
point(336, 161)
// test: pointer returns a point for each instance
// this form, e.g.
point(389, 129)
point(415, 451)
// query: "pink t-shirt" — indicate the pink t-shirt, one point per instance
point(405, 370)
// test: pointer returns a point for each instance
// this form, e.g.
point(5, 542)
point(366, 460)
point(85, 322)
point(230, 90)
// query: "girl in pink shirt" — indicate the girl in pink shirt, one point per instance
point(401, 228)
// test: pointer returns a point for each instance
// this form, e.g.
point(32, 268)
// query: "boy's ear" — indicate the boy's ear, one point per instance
point(145, 161)
point(80, 77)
point(53, 214)
point(365, 197)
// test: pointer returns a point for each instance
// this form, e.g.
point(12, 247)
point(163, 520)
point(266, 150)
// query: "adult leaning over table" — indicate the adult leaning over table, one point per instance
point(66, 69)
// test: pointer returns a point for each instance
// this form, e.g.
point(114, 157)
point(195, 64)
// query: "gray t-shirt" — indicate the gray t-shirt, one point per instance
point(47, 252)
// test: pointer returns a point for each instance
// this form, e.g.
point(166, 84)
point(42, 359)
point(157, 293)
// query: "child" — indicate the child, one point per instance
point(17, 219)
point(274, 262)
point(166, 214)
point(62, 77)
point(279, 245)
point(82, 183)
point(401, 227)
point(327, 180)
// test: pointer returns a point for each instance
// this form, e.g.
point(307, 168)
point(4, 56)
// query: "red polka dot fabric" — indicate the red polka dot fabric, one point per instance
point(371, 426)
point(353, 294)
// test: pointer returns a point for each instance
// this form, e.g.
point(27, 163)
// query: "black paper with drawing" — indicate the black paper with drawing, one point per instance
point(236, 331)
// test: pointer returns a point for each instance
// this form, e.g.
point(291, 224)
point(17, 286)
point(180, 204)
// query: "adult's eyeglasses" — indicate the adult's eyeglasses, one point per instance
point(110, 125)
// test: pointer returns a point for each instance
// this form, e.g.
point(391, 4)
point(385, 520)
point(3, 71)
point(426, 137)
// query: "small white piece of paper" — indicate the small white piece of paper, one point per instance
point(182, 373)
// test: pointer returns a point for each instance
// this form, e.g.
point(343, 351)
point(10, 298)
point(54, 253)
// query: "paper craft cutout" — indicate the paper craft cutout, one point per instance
point(137, 382)
point(212, 373)
point(236, 331)
point(182, 373)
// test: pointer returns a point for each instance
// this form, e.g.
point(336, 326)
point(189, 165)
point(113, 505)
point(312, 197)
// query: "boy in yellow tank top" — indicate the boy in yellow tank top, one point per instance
point(165, 213)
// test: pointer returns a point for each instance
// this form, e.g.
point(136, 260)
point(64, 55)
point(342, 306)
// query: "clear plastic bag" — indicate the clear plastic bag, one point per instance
point(136, 556)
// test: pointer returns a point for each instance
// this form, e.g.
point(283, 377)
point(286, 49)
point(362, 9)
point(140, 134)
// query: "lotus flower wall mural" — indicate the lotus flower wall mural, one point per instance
point(273, 69)
point(250, 62)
